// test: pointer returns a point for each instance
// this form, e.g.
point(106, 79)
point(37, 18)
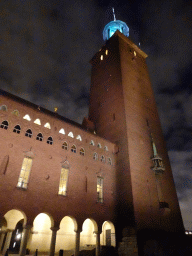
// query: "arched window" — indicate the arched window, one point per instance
point(95, 156)
point(28, 133)
point(4, 125)
point(79, 137)
point(27, 117)
point(65, 145)
point(50, 141)
point(106, 148)
point(92, 143)
point(37, 121)
point(3, 108)
point(109, 161)
point(15, 112)
point(99, 145)
point(39, 137)
point(64, 179)
point(73, 149)
point(103, 159)
point(99, 190)
point(25, 172)
point(82, 152)
point(70, 134)
point(62, 131)
point(17, 129)
point(47, 125)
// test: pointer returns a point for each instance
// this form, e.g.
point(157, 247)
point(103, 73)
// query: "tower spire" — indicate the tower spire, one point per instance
point(114, 13)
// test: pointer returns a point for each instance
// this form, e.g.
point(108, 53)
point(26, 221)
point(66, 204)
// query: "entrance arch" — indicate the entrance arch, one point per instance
point(11, 237)
point(41, 233)
point(88, 236)
point(108, 234)
point(66, 235)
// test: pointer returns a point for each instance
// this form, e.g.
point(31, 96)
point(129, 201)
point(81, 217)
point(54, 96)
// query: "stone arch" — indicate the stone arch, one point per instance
point(12, 218)
point(66, 235)
point(108, 234)
point(88, 236)
point(40, 237)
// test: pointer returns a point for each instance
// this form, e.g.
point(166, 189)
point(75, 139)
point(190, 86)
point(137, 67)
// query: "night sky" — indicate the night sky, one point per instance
point(45, 48)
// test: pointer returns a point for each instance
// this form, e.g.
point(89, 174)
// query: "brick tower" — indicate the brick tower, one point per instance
point(123, 110)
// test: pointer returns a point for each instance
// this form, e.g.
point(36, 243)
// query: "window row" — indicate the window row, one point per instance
point(17, 129)
point(28, 133)
point(25, 173)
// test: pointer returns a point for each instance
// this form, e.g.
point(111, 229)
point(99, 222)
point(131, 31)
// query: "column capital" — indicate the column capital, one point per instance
point(97, 232)
point(77, 230)
point(27, 226)
point(54, 229)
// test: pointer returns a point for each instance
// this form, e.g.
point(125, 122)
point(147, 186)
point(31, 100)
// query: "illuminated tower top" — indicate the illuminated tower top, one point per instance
point(113, 26)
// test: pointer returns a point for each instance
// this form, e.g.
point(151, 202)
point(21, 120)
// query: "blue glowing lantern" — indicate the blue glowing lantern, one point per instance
point(113, 26)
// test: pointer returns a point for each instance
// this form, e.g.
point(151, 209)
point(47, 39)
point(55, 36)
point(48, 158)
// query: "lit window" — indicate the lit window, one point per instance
point(109, 161)
point(92, 143)
point(135, 53)
point(28, 133)
point(47, 125)
point(27, 117)
point(102, 159)
point(25, 172)
point(63, 180)
point(99, 189)
point(62, 131)
point(15, 112)
point(4, 125)
point(65, 146)
point(95, 156)
point(73, 149)
point(37, 121)
point(79, 137)
point(82, 152)
point(101, 57)
point(106, 52)
point(17, 129)
point(3, 108)
point(50, 141)
point(106, 148)
point(39, 137)
point(99, 145)
point(71, 135)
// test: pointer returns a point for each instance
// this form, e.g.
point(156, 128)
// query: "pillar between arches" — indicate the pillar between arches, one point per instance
point(25, 236)
point(53, 240)
point(97, 253)
point(2, 238)
point(77, 241)
point(8, 240)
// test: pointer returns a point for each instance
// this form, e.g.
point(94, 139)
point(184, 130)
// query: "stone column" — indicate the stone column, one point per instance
point(77, 242)
point(1, 239)
point(53, 241)
point(97, 243)
point(8, 240)
point(24, 239)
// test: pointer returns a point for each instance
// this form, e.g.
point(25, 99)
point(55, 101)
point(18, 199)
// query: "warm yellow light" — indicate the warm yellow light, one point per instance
point(37, 121)
point(55, 109)
point(101, 57)
point(106, 52)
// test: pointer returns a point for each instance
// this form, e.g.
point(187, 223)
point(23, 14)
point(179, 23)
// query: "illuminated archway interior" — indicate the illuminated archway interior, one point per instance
point(66, 235)
point(108, 234)
point(88, 237)
point(41, 234)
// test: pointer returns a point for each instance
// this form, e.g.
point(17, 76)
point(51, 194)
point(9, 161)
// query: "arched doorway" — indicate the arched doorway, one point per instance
point(15, 220)
point(108, 234)
point(66, 236)
point(40, 238)
point(88, 236)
